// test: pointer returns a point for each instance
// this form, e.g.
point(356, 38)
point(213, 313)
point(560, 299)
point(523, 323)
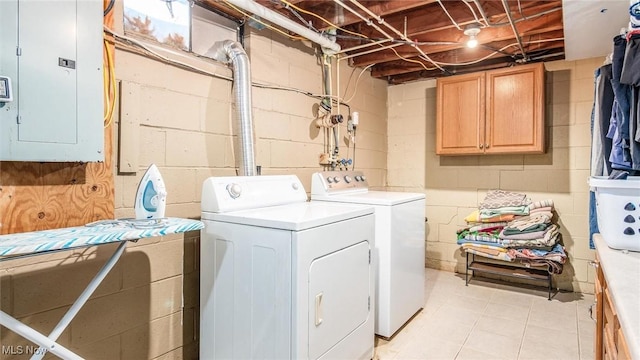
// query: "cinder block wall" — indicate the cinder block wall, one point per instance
point(455, 185)
point(188, 129)
point(147, 308)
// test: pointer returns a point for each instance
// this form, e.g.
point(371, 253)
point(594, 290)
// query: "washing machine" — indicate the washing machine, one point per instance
point(283, 278)
point(400, 243)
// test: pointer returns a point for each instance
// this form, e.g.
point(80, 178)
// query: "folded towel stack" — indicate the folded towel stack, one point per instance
point(508, 226)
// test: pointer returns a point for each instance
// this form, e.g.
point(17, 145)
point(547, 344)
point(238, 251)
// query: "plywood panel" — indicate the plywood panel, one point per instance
point(39, 196)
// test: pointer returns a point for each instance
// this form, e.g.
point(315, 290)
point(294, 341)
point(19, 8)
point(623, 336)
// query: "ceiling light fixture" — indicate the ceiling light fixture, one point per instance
point(472, 30)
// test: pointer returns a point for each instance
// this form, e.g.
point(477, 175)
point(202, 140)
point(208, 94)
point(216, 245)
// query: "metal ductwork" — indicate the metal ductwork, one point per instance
point(232, 52)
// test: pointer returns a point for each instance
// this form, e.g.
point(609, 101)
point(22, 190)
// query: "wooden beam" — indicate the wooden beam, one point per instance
point(543, 24)
point(458, 56)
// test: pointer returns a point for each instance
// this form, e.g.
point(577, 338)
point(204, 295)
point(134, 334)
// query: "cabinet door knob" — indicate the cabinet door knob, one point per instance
point(481, 146)
point(486, 146)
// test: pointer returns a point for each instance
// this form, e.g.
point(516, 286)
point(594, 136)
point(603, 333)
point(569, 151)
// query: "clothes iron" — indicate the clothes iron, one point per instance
point(151, 197)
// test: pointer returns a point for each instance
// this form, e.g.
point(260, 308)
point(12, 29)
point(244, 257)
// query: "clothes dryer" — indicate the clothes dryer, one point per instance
point(282, 278)
point(400, 243)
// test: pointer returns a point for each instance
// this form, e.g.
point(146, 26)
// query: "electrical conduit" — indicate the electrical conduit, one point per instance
point(232, 52)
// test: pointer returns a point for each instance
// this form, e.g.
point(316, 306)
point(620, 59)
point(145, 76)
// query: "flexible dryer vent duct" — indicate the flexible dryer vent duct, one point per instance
point(232, 52)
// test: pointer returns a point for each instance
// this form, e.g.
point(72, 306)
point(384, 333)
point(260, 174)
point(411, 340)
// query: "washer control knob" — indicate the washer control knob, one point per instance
point(347, 179)
point(358, 178)
point(363, 178)
point(235, 190)
point(336, 179)
point(295, 186)
point(329, 179)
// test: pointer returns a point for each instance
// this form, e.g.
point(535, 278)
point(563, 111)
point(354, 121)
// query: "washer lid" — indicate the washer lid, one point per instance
point(386, 198)
point(297, 216)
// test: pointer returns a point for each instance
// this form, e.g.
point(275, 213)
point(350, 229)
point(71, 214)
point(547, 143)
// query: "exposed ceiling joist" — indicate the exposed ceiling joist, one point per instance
point(435, 27)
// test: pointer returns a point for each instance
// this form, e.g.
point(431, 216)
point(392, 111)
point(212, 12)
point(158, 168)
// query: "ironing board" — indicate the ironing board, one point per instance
point(20, 245)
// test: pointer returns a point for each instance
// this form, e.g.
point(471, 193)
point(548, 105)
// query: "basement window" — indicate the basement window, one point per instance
point(178, 24)
point(163, 21)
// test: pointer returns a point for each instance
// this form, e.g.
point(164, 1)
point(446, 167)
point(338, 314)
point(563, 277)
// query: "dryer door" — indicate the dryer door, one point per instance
point(339, 299)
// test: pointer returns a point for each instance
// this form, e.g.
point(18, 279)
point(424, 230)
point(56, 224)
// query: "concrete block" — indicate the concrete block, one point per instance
point(108, 316)
point(270, 125)
point(216, 117)
point(582, 90)
point(154, 339)
point(556, 159)
point(181, 185)
point(145, 264)
point(580, 157)
point(580, 135)
point(560, 136)
point(184, 210)
point(44, 286)
point(560, 114)
point(103, 349)
point(153, 146)
point(161, 107)
point(165, 297)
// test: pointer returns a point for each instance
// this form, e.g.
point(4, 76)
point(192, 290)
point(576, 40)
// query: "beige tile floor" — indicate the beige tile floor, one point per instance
point(492, 320)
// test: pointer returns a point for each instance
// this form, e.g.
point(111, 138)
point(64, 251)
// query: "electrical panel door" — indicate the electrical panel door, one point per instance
point(52, 52)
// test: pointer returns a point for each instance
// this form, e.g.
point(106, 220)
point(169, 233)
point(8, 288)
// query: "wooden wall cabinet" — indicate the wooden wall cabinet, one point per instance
point(493, 112)
point(610, 342)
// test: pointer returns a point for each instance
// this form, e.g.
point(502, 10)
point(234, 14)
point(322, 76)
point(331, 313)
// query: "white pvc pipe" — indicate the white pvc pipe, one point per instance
point(275, 18)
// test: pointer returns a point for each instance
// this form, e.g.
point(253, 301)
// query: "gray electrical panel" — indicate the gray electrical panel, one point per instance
point(51, 52)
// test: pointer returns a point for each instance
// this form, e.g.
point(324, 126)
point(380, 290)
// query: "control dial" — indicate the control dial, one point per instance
point(336, 179)
point(363, 178)
point(358, 178)
point(235, 190)
point(347, 179)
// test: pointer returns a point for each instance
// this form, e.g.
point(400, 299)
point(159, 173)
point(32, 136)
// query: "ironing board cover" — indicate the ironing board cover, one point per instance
point(81, 236)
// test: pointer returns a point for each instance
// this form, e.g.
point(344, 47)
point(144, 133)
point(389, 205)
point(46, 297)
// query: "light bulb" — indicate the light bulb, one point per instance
point(473, 42)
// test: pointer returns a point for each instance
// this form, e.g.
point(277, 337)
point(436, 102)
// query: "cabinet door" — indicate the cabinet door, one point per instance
point(515, 110)
point(460, 114)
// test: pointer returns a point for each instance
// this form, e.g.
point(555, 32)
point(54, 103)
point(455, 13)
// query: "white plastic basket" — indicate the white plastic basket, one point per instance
point(618, 209)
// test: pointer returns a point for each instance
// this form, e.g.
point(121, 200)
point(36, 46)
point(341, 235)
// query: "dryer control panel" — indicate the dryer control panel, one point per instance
point(231, 193)
point(327, 182)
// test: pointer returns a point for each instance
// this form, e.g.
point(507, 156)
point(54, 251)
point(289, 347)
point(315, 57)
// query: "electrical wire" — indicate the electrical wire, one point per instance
point(355, 91)
point(361, 35)
point(449, 15)
point(322, 19)
point(398, 41)
point(256, 19)
point(109, 85)
point(475, 16)
point(157, 56)
point(109, 7)
point(496, 52)
point(353, 71)
point(302, 20)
